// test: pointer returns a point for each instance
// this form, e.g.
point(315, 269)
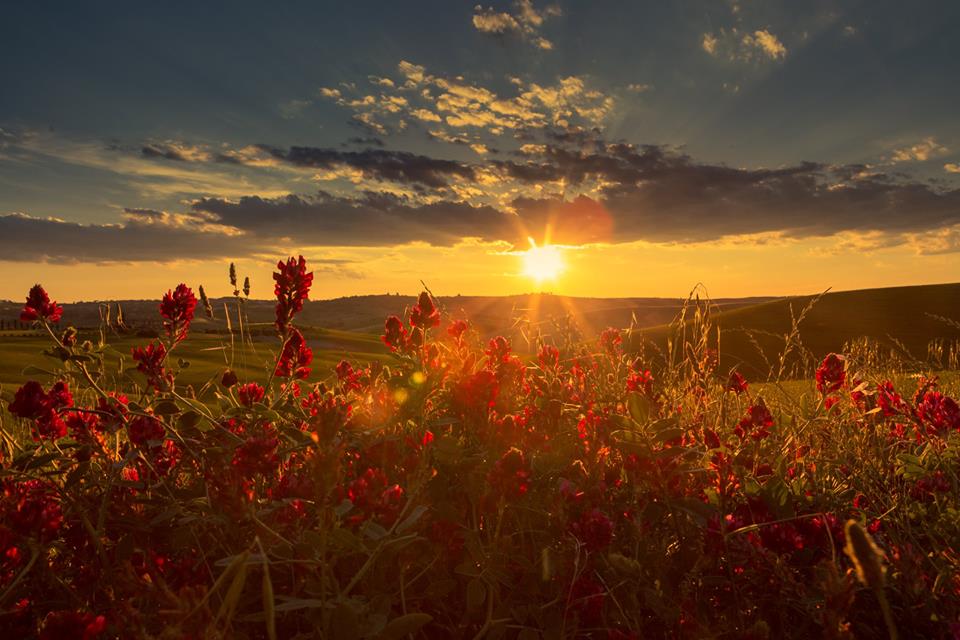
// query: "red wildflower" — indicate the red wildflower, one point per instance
point(292, 288)
point(394, 334)
point(31, 402)
point(456, 330)
point(476, 392)
point(258, 452)
point(38, 307)
point(425, 314)
point(177, 310)
point(757, 422)
point(510, 476)
point(145, 429)
point(294, 357)
point(594, 530)
point(31, 508)
point(889, 401)
point(832, 373)
point(641, 382)
point(736, 383)
point(150, 360)
point(548, 356)
point(72, 625)
point(611, 341)
point(250, 394)
point(498, 350)
point(941, 413)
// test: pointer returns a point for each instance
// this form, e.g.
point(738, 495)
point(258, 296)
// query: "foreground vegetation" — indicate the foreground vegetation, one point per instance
point(459, 491)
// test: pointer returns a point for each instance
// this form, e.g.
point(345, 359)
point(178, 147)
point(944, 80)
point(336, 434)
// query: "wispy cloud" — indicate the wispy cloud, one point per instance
point(926, 149)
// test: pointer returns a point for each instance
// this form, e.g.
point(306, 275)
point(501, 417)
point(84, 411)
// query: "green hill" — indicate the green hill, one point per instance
point(900, 322)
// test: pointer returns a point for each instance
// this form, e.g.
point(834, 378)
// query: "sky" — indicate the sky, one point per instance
point(755, 147)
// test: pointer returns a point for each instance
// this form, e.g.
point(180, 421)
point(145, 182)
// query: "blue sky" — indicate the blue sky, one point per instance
point(677, 123)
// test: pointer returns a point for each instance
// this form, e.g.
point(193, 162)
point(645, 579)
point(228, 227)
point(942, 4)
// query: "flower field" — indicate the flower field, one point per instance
point(462, 491)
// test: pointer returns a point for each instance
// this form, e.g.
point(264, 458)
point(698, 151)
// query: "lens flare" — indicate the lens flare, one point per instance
point(542, 263)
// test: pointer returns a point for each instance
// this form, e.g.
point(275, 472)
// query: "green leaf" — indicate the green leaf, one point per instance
point(166, 408)
point(639, 407)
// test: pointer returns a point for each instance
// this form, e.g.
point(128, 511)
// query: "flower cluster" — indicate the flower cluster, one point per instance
point(291, 288)
point(463, 485)
point(39, 307)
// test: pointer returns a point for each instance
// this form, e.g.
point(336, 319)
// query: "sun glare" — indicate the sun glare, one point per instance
point(542, 263)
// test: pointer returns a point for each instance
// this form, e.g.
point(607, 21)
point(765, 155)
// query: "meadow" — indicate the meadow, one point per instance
point(435, 481)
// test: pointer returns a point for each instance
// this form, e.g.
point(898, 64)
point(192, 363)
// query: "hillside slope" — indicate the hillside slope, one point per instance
point(899, 319)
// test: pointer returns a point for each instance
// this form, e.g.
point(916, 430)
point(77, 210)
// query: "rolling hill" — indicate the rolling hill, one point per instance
point(904, 321)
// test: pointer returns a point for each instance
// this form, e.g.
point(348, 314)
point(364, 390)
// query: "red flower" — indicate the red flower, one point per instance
point(229, 379)
point(250, 394)
point(294, 357)
point(941, 413)
point(736, 383)
point(72, 625)
point(498, 350)
point(889, 401)
point(31, 402)
point(31, 508)
point(150, 361)
point(39, 306)
point(476, 392)
point(548, 356)
point(594, 530)
point(145, 429)
point(456, 330)
point(757, 422)
point(611, 341)
point(425, 315)
point(640, 381)
point(258, 452)
point(510, 476)
point(292, 288)
point(832, 374)
point(394, 334)
point(177, 310)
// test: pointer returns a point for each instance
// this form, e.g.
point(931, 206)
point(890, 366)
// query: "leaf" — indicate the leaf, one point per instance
point(405, 625)
point(412, 519)
point(476, 594)
point(188, 420)
point(630, 441)
point(269, 604)
point(166, 408)
point(639, 407)
point(373, 530)
point(229, 605)
point(344, 623)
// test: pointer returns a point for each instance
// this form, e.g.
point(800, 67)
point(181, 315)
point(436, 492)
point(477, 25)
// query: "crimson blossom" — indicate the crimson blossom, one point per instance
point(39, 307)
point(292, 288)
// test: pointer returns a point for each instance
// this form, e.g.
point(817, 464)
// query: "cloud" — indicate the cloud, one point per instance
point(460, 104)
point(371, 219)
point(738, 46)
point(924, 150)
point(174, 150)
point(952, 167)
point(378, 164)
point(525, 23)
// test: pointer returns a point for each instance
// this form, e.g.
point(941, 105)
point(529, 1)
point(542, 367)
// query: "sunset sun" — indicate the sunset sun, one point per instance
point(542, 263)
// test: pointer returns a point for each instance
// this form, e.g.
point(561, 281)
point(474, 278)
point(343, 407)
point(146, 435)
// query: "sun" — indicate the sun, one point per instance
point(542, 263)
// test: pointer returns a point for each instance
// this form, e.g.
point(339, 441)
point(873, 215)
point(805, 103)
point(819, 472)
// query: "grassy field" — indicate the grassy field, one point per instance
point(205, 356)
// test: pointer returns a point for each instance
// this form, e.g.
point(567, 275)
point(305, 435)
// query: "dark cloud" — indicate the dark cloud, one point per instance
point(651, 193)
point(379, 164)
point(141, 238)
point(372, 219)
